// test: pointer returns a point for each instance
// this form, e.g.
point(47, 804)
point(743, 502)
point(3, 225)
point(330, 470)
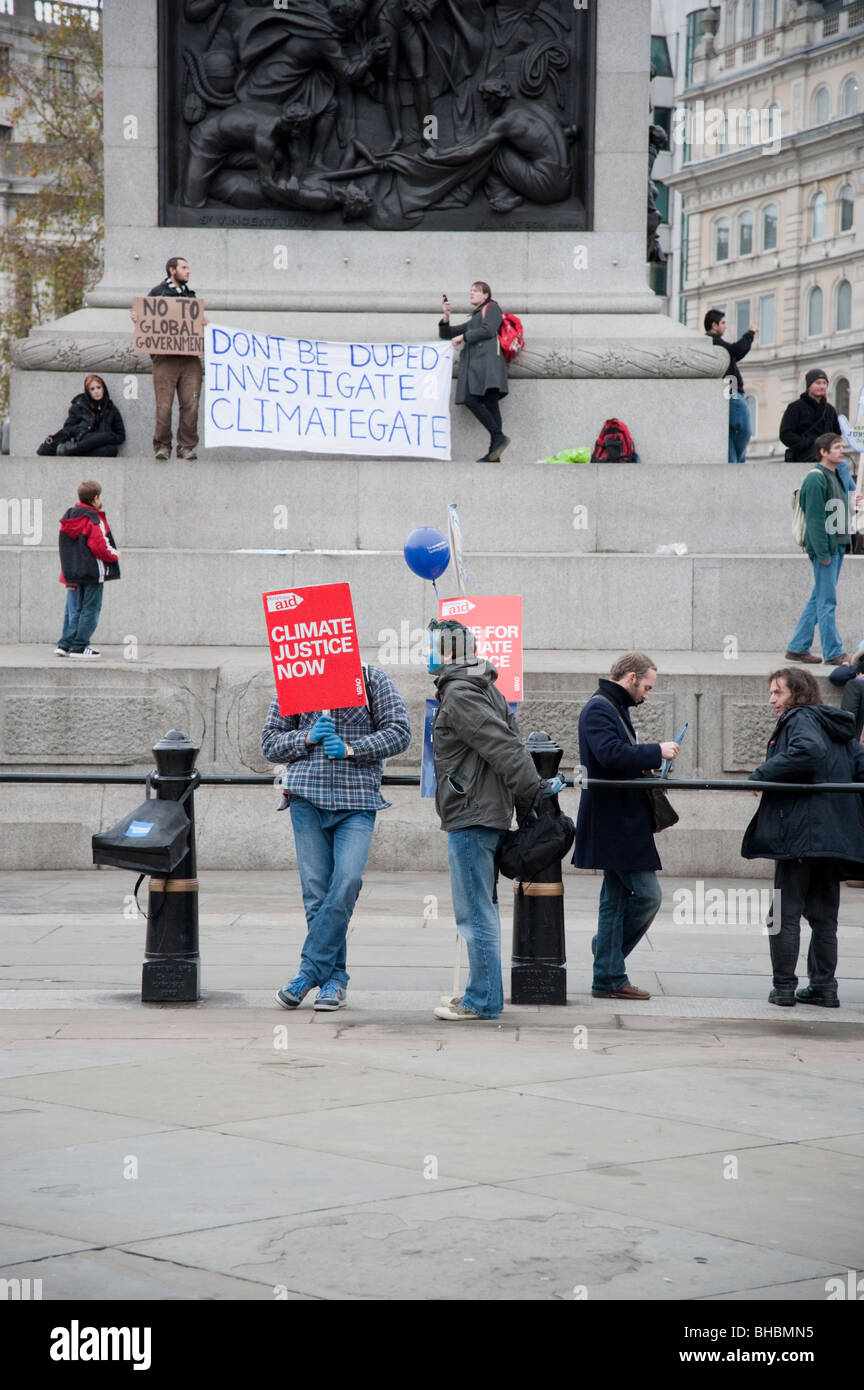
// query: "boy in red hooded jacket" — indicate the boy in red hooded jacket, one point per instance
point(88, 559)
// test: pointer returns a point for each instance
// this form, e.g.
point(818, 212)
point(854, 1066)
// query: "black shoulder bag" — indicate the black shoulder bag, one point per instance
point(663, 814)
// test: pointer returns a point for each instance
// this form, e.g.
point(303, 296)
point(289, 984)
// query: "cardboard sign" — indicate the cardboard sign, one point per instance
point(314, 648)
point(496, 623)
point(271, 391)
point(169, 323)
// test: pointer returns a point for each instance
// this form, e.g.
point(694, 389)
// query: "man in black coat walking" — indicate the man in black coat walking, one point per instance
point(614, 829)
point(815, 838)
point(808, 417)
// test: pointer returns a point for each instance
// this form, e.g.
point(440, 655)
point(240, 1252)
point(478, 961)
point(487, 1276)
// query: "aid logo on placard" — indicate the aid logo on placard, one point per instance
point(279, 603)
point(451, 608)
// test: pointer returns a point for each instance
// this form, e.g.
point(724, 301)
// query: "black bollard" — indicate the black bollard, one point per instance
point(538, 974)
point(171, 970)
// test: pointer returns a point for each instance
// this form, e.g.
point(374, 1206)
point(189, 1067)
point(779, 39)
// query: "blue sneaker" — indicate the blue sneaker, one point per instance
point(293, 993)
point(330, 996)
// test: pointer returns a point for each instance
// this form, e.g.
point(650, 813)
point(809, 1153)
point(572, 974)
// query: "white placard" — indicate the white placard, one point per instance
point(266, 391)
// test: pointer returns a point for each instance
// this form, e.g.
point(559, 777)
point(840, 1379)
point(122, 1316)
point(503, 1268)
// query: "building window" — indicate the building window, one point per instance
point(659, 278)
point(682, 266)
point(745, 234)
point(817, 217)
point(775, 13)
point(61, 72)
point(769, 227)
point(754, 18)
point(721, 239)
point(820, 107)
point(841, 396)
point(844, 306)
point(662, 116)
point(814, 313)
point(5, 134)
point(753, 407)
point(662, 201)
point(847, 207)
point(766, 320)
point(660, 56)
point(849, 97)
point(742, 317)
point(694, 33)
point(734, 22)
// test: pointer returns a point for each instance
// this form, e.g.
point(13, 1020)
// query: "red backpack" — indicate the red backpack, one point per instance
point(614, 444)
point(511, 336)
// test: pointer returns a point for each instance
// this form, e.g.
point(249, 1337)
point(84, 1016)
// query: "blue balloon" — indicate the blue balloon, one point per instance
point(427, 552)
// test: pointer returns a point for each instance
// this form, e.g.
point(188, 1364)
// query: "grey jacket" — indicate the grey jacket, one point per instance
point(482, 365)
point(481, 766)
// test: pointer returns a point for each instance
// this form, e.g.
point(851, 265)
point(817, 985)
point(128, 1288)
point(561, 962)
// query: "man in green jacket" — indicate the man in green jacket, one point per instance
point(482, 769)
point(823, 500)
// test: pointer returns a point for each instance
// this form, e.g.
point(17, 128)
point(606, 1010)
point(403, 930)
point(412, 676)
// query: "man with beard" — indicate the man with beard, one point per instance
point(614, 830)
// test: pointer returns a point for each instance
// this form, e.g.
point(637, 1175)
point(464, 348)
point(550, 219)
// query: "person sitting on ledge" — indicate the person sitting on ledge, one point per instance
point(94, 426)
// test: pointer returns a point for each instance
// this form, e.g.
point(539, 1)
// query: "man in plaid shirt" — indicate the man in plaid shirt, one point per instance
point(333, 773)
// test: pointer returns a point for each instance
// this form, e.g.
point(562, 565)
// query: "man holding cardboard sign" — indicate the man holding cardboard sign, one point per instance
point(176, 366)
point(334, 761)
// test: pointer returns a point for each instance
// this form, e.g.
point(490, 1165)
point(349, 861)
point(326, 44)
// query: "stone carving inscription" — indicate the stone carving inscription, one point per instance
point(391, 114)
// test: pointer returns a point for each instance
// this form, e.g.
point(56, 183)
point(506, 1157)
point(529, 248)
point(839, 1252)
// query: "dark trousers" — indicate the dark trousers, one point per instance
point(98, 444)
point(488, 412)
point(172, 373)
point(808, 888)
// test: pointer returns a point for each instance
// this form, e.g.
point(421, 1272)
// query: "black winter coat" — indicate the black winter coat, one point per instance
point(87, 416)
point(815, 743)
point(736, 351)
point(803, 422)
point(614, 830)
point(482, 366)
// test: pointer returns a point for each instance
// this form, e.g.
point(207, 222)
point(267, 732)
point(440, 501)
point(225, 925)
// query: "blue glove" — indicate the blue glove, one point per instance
point(551, 786)
point(333, 746)
point(321, 728)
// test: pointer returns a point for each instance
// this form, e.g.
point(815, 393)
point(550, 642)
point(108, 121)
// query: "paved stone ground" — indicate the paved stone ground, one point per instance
point(229, 1150)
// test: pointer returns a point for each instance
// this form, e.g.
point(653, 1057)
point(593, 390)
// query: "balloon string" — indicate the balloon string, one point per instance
point(435, 587)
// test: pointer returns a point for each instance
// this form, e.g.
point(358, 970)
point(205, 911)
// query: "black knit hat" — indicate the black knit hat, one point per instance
point(815, 374)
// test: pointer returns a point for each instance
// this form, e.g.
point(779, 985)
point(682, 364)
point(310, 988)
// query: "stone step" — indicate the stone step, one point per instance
point(307, 504)
point(698, 602)
point(106, 716)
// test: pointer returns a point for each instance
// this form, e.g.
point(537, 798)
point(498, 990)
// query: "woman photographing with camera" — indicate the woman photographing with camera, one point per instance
point(482, 379)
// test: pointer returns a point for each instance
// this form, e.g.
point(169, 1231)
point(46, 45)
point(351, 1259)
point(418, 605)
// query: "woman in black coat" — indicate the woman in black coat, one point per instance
point(93, 427)
point(482, 377)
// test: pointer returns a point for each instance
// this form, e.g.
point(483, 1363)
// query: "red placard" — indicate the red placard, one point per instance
point(496, 623)
point(314, 649)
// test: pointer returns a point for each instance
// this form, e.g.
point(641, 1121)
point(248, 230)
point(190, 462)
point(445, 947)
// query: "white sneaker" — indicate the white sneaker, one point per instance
point(60, 651)
point(88, 654)
point(455, 1013)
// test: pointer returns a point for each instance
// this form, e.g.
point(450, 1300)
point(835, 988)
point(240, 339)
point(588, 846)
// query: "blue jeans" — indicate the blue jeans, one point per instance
point(739, 429)
point(628, 905)
point(83, 606)
point(471, 856)
point(820, 610)
point(332, 849)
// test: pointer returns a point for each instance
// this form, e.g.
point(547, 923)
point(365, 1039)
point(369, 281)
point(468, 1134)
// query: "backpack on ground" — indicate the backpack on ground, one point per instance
point(799, 520)
point(614, 444)
point(511, 336)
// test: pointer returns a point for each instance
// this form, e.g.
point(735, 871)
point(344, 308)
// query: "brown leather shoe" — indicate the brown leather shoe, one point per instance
point(842, 660)
point(628, 992)
point(803, 656)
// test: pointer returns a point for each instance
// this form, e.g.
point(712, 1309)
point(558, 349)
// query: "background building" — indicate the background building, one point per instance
point(765, 174)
